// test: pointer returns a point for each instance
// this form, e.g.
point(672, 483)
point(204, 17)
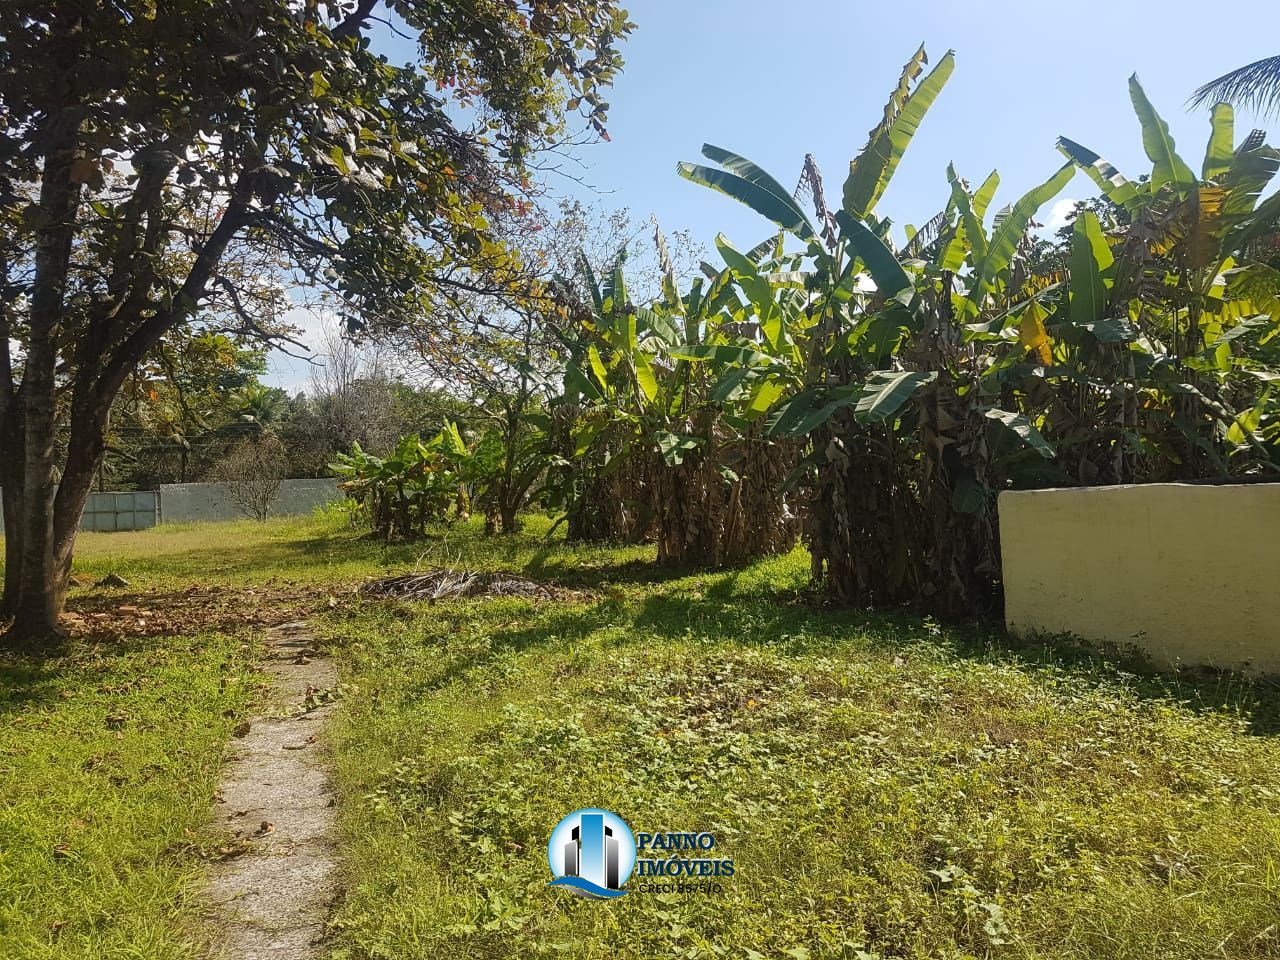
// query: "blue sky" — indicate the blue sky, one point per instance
point(773, 81)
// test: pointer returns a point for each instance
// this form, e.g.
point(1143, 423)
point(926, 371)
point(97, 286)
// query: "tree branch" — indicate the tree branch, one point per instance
point(355, 22)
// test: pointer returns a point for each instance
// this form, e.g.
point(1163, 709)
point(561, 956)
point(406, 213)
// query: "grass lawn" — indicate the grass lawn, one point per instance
point(109, 758)
point(885, 786)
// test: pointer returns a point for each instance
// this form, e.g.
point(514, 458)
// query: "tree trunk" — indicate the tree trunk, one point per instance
point(12, 492)
point(37, 602)
point(507, 515)
point(758, 518)
point(43, 539)
point(706, 519)
point(41, 517)
point(689, 506)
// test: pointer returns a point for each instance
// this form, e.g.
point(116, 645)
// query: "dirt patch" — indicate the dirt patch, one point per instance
point(450, 584)
point(109, 616)
point(272, 893)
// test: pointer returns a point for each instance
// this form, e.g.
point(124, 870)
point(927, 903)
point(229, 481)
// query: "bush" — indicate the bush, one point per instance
point(251, 474)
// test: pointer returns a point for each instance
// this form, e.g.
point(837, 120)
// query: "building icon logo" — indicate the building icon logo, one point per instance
point(592, 852)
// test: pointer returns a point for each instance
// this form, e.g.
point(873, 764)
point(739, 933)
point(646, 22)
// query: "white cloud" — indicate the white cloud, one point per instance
point(293, 373)
point(1060, 213)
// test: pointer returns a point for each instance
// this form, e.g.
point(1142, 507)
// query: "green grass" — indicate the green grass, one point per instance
point(886, 786)
point(321, 550)
point(109, 758)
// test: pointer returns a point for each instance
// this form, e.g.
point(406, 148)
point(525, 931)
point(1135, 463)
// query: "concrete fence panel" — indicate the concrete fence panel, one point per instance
point(1186, 572)
point(184, 502)
point(120, 511)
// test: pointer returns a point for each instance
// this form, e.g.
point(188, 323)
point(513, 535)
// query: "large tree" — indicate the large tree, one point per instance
point(279, 119)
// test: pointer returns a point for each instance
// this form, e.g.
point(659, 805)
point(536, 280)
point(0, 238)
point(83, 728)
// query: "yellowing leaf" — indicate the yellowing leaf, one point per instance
point(597, 365)
point(1033, 336)
point(645, 378)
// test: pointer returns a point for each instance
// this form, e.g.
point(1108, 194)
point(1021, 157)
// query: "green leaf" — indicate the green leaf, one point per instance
point(586, 435)
point(1017, 425)
point(744, 168)
point(1090, 258)
point(968, 495)
point(655, 322)
point(1167, 166)
point(982, 198)
point(878, 259)
point(782, 211)
point(1261, 224)
point(614, 289)
point(630, 332)
point(1251, 171)
point(1245, 427)
point(1111, 330)
point(589, 275)
point(720, 353)
point(578, 384)
point(673, 447)
point(451, 440)
point(766, 394)
point(809, 410)
point(970, 229)
point(735, 260)
point(647, 382)
point(1006, 236)
point(1220, 153)
point(871, 171)
point(886, 391)
point(340, 160)
point(1110, 180)
point(597, 366)
point(729, 386)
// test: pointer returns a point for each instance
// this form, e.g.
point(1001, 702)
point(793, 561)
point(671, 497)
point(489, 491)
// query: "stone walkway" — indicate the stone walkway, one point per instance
point(271, 901)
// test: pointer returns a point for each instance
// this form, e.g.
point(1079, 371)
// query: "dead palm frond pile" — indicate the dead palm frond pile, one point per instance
point(444, 584)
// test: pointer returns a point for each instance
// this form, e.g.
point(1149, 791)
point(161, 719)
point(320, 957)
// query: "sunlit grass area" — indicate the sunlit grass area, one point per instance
point(109, 758)
point(887, 786)
point(324, 549)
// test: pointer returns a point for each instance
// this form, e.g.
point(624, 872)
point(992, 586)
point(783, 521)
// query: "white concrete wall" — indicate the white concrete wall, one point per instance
point(184, 502)
point(1188, 573)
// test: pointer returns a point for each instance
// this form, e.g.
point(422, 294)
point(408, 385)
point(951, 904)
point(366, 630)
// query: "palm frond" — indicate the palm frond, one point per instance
point(1256, 86)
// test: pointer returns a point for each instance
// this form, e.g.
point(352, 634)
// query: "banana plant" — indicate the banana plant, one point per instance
point(1192, 306)
point(669, 394)
point(412, 487)
point(909, 436)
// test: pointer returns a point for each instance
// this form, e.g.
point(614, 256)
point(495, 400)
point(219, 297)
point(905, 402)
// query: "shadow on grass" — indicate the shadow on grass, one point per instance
point(720, 615)
point(572, 622)
point(27, 682)
point(555, 565)
point(734, 605)
point(719, 582)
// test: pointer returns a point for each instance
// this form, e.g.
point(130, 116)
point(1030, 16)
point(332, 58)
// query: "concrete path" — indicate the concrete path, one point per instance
point(272, 895)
